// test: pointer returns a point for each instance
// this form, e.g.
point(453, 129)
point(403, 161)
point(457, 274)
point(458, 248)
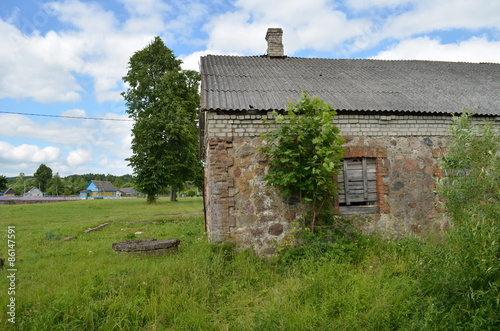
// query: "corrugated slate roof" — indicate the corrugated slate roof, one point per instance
point(103, 185)
point(237, 83)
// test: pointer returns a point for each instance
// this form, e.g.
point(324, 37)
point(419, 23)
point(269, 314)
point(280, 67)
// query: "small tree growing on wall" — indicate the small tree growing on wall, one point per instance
point(304, 151)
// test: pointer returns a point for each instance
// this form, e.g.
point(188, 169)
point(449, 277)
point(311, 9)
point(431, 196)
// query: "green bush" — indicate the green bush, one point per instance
point(53, 235)
point(462, 274)
point(325, 243)
point(304, 148)
point(191, 193)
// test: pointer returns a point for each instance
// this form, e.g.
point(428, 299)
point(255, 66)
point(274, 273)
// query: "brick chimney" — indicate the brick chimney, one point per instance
point(274, 42)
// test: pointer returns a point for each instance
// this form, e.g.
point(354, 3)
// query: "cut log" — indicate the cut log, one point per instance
point(149, 246)
point(96, 228)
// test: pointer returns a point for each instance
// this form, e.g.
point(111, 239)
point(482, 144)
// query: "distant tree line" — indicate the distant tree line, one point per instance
point(53, 184)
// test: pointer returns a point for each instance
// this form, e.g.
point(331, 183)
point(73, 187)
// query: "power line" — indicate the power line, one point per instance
point(90, 118)
point(72, 117)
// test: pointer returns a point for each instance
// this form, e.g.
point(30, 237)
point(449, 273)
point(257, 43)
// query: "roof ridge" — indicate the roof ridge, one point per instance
point(346, 59)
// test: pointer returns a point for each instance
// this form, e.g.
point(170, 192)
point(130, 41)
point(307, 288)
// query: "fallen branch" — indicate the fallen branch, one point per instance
point(68, 238)
point(97, 227)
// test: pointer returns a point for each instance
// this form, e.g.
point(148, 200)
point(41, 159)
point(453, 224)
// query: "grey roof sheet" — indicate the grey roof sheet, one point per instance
point(243, 83)
point(103, 185)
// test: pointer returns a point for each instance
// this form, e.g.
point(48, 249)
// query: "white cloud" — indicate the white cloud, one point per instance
point(106, 44)
point(79, 156)
point(96, 45)
point(36, 67)
point(146, 16)
point(314, 24)
point(425, 48)
point(363, 4)
point(60, 132)
point(27, 153)
point(429, 15)
point(86, 16)
point(80, 142)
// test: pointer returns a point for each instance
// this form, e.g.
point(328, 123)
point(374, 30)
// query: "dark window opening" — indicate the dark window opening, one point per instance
point(358, 186)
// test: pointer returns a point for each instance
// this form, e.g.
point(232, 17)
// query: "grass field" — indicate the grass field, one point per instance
point(82, 284)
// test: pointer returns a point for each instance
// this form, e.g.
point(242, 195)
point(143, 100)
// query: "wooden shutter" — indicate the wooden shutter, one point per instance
point(358, 186)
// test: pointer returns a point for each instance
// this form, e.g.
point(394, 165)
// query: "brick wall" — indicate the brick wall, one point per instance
point(246, 125)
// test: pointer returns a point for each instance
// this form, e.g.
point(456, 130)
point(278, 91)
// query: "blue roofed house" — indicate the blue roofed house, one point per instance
point(99, 188)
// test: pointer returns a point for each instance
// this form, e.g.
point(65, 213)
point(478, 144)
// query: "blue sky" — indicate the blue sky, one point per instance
point(65, 59)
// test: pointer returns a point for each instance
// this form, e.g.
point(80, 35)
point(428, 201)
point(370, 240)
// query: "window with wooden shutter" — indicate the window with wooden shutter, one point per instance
point(358, 186)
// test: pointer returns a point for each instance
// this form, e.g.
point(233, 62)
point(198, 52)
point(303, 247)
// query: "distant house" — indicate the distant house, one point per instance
point(9, 193)
point(129, 191)
point(34, 192)
point(99, 188)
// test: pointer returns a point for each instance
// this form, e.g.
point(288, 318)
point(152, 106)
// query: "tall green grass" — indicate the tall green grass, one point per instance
point(463, 274)
point(365, 283)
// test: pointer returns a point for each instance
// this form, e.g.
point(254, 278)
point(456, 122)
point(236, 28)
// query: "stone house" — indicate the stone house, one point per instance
point(394, 115)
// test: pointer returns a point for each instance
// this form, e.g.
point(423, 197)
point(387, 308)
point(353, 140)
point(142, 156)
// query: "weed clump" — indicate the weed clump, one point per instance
point(53, 235)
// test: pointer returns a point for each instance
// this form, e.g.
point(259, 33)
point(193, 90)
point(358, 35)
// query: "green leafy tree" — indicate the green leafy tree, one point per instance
point(57, 185)
point(22, 184)
point(162, 99)
point(3, 183)
point(118, 182)
point(43, 175)
point(304, 152)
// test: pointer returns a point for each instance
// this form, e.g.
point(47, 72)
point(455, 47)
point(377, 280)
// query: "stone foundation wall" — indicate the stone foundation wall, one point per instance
point(240, 206)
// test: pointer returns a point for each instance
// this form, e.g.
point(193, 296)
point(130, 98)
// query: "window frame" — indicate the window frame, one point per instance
point(358, 186)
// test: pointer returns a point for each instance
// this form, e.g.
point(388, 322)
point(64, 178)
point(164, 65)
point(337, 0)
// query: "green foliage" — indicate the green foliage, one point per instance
point(463, 273)
point(43, 175)
point(23, 182)
point(56, 186)
point(304, 151)
point(463, 276)
point(162, 99)
point(364, 283)
point(471, 167)
point(3, 183)
point(323, 244)
point(130, 236)
point(69, 185)
point(53, 235)
point(191, 193)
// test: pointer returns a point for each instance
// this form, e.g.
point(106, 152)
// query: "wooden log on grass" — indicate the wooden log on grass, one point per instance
point(149, 246)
